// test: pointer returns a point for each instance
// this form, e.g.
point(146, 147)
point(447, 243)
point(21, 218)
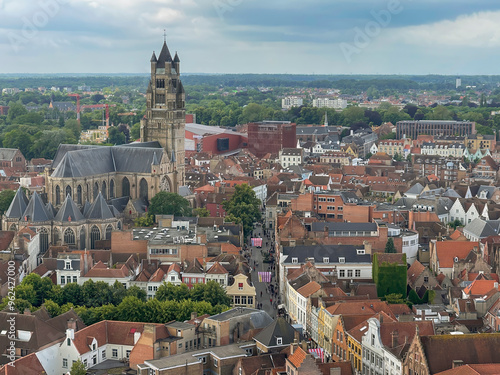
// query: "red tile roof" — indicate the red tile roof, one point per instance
point(480, 287)
point(448, 250)
point(298, 356)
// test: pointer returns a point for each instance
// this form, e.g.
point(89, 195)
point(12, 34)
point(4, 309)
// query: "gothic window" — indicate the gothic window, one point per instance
point(58, 195)
point(160, 99)
point(109, 228)
point(13, 227)
point(96, 190)
point(68, 191)
point(44, 239)
point(95, 235)
point(69, 236)
point(82, 239)
point(160, 83)
point(111, 189)
point(103, 190)
point(79, 194)
point(143, 189)
point(88, 192)
point(164, 184)
point(125, 187)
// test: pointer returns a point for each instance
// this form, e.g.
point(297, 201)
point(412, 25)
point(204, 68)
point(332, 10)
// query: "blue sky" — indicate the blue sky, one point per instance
point(252, 36)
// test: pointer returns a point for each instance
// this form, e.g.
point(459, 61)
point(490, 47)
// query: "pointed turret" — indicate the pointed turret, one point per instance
point(155, 160)
point(51, 210)
point(18, 205)
point(164, 56)
point(150, 88)
point(69, 212)
point(176, 58)
point(99, 209)
point(35, 211)
point(153, 58)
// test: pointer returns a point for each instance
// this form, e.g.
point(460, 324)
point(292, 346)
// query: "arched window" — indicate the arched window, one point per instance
point(111, 189)
point(13, 227)
point(82, 239)
point(125, 187)
point(58, 195)
point(109, 228)
point(68, 191)
point(96, 190)
point(44, 239)
point(95, 235)
point(79, 194)
point(69, 236)
point(88, 193)
point(143, 189)
point(103, 190)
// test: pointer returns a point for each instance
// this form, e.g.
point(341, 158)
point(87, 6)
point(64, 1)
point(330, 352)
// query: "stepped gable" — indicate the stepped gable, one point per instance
point(99, 209)
point(69, 212)
point(35, 211)
point(18, 205)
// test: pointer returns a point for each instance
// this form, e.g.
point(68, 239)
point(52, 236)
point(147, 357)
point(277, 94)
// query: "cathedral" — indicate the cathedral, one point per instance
point(88, 188)
point(138, 170)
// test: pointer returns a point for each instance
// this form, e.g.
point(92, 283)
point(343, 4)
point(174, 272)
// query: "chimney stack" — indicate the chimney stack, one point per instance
point(194, 315)
point(27, 311)
point(395, 337)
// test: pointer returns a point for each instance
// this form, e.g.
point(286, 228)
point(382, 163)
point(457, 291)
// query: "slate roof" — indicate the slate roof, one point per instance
point(318, 252)
point(320, 226)
point(35, 211)
point(69, 211)
point(50, 210)
point(84, 162)
point(86, 208)
point(164, 56)
point(415, 189)
point(99, 209)
point(18, 205)
point(7, 153)
point(482, 228)
point(278, 328)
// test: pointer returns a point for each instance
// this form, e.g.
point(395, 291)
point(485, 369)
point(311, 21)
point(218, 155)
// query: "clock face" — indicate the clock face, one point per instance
point(164, 184)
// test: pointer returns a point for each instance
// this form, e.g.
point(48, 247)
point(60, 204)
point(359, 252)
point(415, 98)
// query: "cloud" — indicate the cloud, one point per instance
point(477, 30)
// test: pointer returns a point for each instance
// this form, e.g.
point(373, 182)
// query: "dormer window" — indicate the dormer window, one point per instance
point(279, 340)
point(341, 260)
point(67, 265)
point(295, 260)
point(326, 260)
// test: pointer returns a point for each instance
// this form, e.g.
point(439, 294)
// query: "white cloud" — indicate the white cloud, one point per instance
point(477, 30)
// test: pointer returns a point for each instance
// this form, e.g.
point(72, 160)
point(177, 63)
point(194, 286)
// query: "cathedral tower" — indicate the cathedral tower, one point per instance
point(165, 118)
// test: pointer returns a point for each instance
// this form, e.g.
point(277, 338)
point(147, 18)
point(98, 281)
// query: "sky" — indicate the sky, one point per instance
point(458, 37)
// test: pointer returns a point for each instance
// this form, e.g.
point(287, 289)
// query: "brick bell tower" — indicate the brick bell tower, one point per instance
point(165, 118)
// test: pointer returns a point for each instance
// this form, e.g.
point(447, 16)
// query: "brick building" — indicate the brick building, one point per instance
point(271, 136)
point(412, 129)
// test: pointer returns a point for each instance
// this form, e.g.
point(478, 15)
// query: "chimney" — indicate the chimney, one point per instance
point(368, 247)
point(71, 328)
point(457, 363)
point(394, 337)
point(27, 311)
point(296, 337)
point(194, 315)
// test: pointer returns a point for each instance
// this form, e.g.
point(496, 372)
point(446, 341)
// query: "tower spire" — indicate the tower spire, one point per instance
point(165, 35)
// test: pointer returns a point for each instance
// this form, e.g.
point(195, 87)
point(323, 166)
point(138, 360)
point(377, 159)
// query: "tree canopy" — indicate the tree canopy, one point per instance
point(167, 203)
point(243, 207)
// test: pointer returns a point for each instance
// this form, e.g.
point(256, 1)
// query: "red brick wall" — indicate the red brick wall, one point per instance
point(303, 202)
point(358, 214)
point(122, 242)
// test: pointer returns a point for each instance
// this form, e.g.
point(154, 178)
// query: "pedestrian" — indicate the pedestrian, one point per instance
point(261, 293)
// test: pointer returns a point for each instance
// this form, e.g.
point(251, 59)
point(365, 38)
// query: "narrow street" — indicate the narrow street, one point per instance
point(267, 301)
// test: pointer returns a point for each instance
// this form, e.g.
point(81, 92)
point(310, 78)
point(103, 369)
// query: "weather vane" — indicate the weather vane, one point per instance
point(165, 35)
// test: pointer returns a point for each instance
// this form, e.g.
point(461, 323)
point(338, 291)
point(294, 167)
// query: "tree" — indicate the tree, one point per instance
point(200, 212)
point(243, 207)
point(115, 136)
point(389, 246)
point(135, 131)
point(144, 221)
point(354, 115)
point(167, 203)
point(389, 277)
point(78, 368)
point(6, 197)
point(394, 298)
point(47, 141)
point(455, 224)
